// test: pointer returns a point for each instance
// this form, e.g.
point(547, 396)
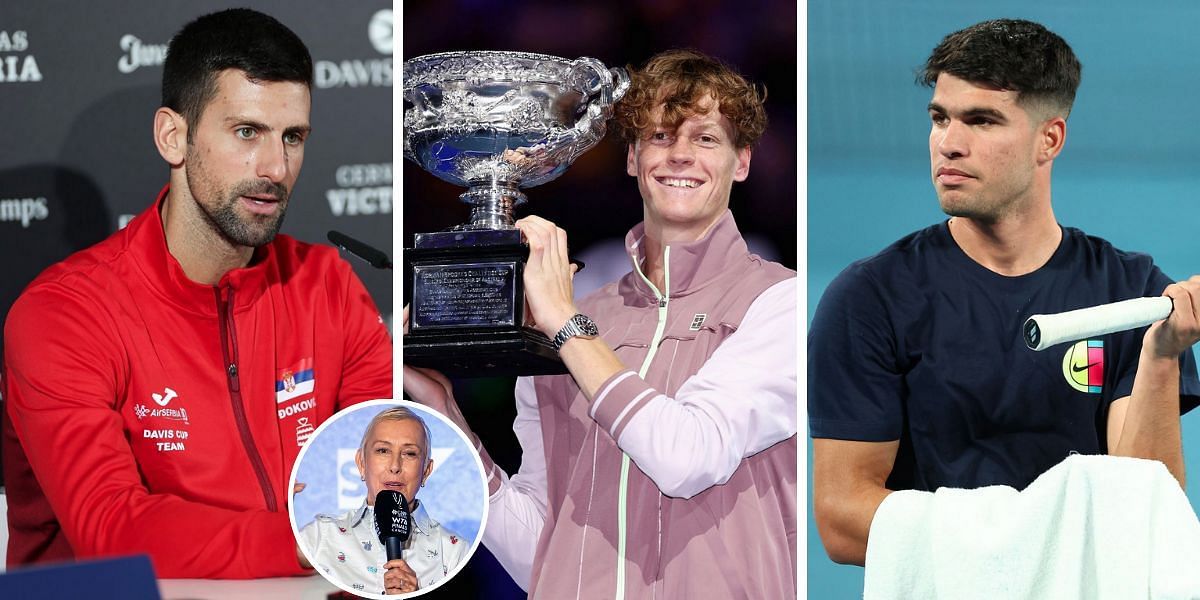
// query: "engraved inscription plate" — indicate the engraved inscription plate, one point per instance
point(464, 295)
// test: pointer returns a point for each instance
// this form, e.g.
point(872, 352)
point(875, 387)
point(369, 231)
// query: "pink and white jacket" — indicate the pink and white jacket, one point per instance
point(679, 480)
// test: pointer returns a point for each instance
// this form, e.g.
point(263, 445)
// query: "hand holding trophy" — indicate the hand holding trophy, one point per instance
point(494, 122)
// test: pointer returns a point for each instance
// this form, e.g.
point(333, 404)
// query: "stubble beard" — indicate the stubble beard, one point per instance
point(220, 207)
point(969, 208)
point(982, 208)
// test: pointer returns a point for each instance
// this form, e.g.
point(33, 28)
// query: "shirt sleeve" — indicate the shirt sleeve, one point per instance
point(455, 550)
point(367, 367)
point(1189, 383)
point(855, 385)
point(61, 382)
point(310, 540)
point(740, 402)
point(517, 506)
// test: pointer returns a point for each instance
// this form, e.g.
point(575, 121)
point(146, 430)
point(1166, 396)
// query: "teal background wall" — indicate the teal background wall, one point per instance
point(1129, 173)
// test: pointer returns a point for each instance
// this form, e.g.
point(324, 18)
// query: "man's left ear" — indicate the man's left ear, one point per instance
point(743, 164)
point(1053, 136)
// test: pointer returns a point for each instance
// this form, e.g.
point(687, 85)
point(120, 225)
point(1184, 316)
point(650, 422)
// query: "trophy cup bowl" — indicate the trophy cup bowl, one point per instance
point(495, 123)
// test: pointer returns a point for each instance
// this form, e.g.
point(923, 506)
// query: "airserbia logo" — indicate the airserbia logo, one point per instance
point(1083, 366)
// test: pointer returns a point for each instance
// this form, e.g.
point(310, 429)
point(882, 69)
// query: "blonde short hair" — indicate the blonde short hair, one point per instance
point(397, 413)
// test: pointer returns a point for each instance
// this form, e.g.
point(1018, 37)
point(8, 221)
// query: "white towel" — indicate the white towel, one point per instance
point(1092, 527)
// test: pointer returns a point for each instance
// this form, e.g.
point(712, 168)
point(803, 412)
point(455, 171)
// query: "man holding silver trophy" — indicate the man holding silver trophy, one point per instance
point(664, 463)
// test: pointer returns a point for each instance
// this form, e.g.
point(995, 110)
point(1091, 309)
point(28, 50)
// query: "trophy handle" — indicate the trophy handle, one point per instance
point(603, 87)
point(620, 82)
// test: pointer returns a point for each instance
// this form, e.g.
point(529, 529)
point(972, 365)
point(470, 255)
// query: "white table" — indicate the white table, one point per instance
point(313, 587)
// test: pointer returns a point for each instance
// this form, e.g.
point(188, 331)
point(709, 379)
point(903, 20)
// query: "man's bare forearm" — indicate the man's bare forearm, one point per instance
point(1151, 425)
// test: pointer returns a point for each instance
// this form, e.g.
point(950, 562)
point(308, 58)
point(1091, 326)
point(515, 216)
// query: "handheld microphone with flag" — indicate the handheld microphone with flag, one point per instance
point(392, 521)
point(376, 258)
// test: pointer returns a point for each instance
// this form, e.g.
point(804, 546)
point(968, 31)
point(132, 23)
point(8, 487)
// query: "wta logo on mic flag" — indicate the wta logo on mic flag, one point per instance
point(392, 516)
point(1083, 366)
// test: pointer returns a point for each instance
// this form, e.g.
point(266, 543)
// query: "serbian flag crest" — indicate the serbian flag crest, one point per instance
point(295, 381)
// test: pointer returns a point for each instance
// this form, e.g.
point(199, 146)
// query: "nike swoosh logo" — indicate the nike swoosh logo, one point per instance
point(1076, 369)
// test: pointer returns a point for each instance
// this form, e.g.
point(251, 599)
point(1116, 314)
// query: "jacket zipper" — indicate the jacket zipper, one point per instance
point(623, 490)
point(229, 353)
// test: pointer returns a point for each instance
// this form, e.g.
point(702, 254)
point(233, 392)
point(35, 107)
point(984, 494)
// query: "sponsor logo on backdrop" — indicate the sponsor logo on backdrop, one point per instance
point(353, 73)
point(380, 31)
point(15, 65)
point(361, 72)
point(139, 54)
point(361, 190)
point(23, 210)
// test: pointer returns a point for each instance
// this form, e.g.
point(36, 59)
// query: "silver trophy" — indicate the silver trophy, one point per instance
point(493, 122)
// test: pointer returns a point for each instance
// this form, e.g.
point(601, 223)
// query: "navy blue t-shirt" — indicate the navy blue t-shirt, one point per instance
point(921, 344)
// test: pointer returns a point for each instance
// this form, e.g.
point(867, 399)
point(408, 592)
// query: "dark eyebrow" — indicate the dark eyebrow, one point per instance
point(969, 113)
point(236, 120)
point(990, 113)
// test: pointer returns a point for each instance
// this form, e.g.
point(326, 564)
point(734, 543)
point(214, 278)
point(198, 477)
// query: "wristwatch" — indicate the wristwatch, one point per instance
point(578, 325)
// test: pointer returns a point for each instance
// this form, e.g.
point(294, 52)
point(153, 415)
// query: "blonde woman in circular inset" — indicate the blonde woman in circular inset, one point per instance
point(394, 455)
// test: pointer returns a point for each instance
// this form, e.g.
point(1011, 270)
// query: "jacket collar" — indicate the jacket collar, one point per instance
point(148, 242)
point(693, 265)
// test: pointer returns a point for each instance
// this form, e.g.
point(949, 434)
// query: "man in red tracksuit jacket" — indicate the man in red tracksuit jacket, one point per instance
point(160, 384)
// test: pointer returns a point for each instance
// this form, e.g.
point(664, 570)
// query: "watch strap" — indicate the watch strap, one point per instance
point(579, 325)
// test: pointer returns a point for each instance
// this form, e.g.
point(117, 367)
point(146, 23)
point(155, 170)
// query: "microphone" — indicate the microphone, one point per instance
point(376, 258)
point(392, 520)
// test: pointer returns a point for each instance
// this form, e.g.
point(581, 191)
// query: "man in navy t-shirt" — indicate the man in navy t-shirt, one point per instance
point(918, 374)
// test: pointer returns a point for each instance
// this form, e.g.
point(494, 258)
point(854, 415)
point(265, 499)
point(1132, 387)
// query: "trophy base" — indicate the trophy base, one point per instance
point(503, 353)
point(468, 307)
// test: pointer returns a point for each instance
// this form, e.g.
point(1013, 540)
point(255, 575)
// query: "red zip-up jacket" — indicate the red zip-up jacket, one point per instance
point(151, 414)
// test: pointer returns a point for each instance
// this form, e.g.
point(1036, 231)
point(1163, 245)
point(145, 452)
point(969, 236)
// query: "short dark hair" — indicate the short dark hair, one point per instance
point(1010, 54)
point(238, 38)
point(682, 81)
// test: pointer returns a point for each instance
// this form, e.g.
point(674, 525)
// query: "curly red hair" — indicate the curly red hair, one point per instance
point(684, 83)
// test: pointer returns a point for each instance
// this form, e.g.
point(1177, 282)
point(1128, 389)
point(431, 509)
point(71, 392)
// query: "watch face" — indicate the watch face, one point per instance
point(578, 325)
point(587, 325)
